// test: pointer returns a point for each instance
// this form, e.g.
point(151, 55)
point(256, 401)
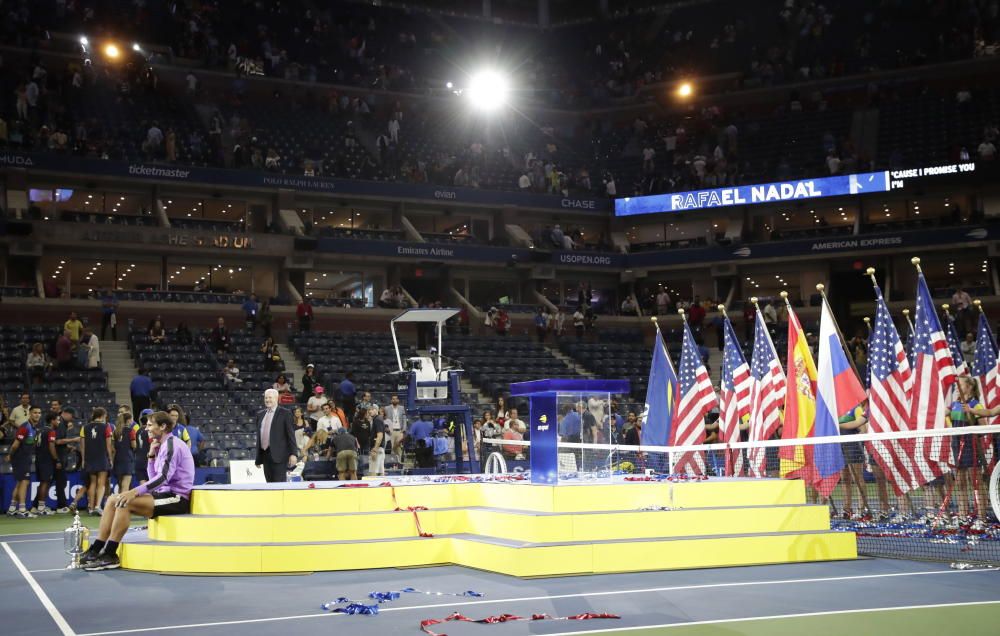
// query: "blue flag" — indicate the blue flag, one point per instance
point(661, 397)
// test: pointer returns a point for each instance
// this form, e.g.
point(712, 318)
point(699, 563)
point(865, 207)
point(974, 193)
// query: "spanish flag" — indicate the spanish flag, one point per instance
point(800, 402)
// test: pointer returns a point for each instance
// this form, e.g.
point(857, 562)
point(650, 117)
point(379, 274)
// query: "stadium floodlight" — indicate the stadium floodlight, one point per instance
point(84, 41)
point(111, 50)
point(136, 47)
point(685, 89)
point(488, 90)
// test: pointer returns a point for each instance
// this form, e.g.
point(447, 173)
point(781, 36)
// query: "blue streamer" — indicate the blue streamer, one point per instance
point(357, 609)
point(360, 608)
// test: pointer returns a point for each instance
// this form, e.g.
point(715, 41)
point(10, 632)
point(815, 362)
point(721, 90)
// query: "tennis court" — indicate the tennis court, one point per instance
point(862, 596)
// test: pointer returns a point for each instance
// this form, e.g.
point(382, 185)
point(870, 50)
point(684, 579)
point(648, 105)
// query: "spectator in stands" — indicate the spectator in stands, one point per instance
point(376, 459)
point(273, 361)
point(386, 299)
point(579, 321)
point(346, 448)
point(513, 431)
point(501, 412)
point(770, 315)
point(38, 363)
point(282, 386)
point(512, 421)
point(309, 383)
point(696, 314)
point(265, 318)
point(987, 150)
point(305, 314)
point(75, 328)
point(395, 420)
point(183, 334)
point(220, 337)
point(332, 417)
point(157, 334)
point(490, 430)
point(366, 401)
point(571, 423)
point(540, 328)
point(250, 309)
point(663, 301)
point(315, 402)
point(231, 373)
point(64, 351)
point(22, 451)
point(346, 394)
point(97, 448)
point(316, 446)
point(181, 421)
point(501, 322)
point(303, 430)
point(90, 348)
point(19, 414)
point(109, 314)
point(141, 390)
point(629, 306)
point(961, 302)
point(968, 347)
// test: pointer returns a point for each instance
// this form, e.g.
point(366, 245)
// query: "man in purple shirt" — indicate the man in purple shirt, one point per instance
point(168, 492)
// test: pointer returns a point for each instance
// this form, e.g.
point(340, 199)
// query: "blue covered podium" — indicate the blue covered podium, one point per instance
point(544, 397)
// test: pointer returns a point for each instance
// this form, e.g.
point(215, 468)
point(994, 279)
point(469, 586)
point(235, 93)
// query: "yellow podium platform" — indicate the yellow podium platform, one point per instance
point(511, 528)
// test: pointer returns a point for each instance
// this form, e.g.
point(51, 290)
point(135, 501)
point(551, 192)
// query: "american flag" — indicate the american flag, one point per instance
point(956, 351)
point(767, 393)
point(933, 375)
point(889, 400)
point(735, 387)
point(697, 398)
point(984, 369)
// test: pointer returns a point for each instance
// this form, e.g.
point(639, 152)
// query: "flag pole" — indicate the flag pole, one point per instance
point(906, 314)
point(659, 343)
point(725, 330)
point(821, 288)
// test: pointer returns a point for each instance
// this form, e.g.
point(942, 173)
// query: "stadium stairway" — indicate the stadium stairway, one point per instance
point(292, 363)
point(116, 359)
point(569, 362)
point(513, 528)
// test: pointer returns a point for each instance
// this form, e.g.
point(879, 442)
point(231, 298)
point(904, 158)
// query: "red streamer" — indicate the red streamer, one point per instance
point(506, 618)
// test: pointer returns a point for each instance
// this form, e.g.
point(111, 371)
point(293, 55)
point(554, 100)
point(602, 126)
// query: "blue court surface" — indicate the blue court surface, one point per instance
point(37, 596)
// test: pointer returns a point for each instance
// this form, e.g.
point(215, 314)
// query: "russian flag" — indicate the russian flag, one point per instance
point(838, 390)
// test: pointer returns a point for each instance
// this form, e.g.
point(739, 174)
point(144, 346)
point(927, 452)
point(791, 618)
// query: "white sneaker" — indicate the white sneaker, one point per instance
point(11, 512)
point(62, 511)
point(24, 514)
point(45, 512)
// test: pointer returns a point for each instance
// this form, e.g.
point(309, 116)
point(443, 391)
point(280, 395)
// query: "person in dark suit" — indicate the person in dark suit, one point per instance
point(276, 448)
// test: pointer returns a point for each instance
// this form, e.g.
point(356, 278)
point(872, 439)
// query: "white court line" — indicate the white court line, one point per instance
point(40, 593)
point(32, 540)
point(536, 598)
point(49, 570)
point(866, 610)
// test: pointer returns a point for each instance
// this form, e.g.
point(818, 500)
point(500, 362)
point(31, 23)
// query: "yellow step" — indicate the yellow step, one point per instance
point(327, 498)
point(495, 555)
point(511, 524)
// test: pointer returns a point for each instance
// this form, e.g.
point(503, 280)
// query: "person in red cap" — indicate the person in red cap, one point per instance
point(314, 406)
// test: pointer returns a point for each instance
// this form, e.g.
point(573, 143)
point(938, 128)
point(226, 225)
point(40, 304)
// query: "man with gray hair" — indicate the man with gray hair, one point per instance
point(276, 448)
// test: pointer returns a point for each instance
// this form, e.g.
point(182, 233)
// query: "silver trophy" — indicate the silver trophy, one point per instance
point(73, 538)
